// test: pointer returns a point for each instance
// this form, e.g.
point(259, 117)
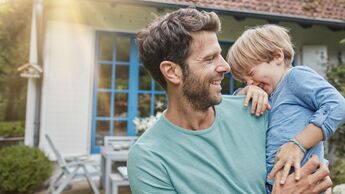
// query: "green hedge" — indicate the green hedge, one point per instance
point(338, 172)
point(23, 169)
point(12, 129)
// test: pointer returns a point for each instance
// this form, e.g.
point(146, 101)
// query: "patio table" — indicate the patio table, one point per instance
point(108, 156)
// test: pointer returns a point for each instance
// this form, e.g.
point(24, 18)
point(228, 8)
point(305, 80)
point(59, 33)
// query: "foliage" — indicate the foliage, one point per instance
point(15, 17)
point(12, 129)
point(336, 76)
point(23, 169)
point(338, 172)
point(142, 124)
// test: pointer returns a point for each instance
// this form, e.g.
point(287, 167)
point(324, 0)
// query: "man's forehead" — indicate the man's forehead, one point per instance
point(204, 41)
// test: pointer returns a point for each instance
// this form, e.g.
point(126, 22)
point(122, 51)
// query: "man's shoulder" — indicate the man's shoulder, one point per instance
point(231, 103)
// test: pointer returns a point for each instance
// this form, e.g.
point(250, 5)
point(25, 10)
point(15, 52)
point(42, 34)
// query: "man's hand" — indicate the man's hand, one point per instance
point(310, 182)
point(287, 156)
point(259, 99)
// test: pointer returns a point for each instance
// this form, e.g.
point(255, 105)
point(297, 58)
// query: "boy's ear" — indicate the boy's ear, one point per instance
point(171, 72)
point(278, 56)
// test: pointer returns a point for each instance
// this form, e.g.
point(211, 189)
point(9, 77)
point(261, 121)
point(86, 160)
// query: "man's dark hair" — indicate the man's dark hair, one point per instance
point(169, 38)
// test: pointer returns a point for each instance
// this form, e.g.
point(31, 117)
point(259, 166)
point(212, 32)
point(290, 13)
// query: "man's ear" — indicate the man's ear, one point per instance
point(278, 56)
point(171, 72)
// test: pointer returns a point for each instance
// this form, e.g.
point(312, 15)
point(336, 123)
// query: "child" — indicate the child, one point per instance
point(306, 109)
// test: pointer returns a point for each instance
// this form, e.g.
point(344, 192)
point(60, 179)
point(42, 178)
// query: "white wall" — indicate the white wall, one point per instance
point(67, 87)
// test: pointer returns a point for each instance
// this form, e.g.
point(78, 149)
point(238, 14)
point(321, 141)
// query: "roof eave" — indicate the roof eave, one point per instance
point(272, 17)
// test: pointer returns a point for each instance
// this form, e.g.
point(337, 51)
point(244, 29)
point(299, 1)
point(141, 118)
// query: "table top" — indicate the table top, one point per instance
point(114, 155)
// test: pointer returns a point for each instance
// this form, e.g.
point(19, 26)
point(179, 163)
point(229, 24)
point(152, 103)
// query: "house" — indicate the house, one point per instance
point(93, 84)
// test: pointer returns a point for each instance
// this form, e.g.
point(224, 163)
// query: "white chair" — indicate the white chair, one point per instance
point(77, 167)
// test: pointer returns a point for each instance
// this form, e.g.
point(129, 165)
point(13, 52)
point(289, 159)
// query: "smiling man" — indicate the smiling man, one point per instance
point(204, 142)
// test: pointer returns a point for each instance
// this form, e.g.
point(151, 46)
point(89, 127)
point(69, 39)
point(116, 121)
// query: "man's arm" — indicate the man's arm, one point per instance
point(146, 173)
point(314, 179)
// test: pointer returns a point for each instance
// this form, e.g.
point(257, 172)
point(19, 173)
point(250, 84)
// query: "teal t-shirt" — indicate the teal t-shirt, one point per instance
point(228, 157)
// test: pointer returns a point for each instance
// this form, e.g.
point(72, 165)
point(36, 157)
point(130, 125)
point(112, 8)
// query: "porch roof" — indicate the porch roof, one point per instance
point(330, 13)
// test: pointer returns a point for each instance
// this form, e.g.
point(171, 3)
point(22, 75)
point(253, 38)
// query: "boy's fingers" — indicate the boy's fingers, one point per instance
point(269, 106)
point(275, 169)
point(285, 172)
point(260, 105)
point(265, 104)
point(297, 167)
point(254, 102)
point(248, 97)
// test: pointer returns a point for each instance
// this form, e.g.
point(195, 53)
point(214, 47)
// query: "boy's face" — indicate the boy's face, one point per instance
point(266, 75)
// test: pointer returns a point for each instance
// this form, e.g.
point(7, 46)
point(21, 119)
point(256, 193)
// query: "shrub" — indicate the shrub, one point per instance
point(338, 172)
point(336, 76)
point(23, 169)
point(12, 129)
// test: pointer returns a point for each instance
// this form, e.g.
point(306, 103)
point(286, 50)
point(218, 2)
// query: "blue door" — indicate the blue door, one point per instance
point(122, 88)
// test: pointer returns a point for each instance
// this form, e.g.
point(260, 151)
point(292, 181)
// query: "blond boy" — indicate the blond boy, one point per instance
point(306, 109)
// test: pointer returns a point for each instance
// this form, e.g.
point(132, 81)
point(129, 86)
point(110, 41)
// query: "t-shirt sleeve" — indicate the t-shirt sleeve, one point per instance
point(146, 173)
point(314, 92)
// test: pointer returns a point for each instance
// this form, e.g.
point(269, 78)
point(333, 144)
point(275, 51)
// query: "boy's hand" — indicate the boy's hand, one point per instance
point(287, 156)
point(259, 99)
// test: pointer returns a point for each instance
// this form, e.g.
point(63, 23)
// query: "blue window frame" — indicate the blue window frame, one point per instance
point(123, 89)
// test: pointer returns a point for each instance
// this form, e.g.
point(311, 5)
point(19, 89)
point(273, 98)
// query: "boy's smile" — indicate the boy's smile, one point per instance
point(266, 75)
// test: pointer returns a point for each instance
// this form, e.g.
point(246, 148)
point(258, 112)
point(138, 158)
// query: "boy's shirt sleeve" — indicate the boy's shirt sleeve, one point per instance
point(146, 174)
point(321, 96)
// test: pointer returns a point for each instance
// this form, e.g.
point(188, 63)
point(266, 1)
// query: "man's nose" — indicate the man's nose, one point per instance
point(223, 66)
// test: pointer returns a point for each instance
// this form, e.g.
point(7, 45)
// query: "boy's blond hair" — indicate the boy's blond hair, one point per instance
point(257, 45)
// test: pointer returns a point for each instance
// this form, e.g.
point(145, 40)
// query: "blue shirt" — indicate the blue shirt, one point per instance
point(228, 157)
point(301, 98)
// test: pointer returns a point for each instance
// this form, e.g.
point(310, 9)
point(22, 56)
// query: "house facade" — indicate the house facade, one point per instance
point(93, 84)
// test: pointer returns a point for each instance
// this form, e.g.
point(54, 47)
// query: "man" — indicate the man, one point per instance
point(204, 142)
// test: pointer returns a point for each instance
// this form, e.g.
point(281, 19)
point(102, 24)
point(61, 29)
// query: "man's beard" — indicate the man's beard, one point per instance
point(197, 92)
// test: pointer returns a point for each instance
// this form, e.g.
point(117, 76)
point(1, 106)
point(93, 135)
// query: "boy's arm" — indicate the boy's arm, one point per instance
point(258, 97)
point(317, 94)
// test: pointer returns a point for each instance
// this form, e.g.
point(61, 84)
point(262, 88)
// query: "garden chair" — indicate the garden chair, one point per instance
point(76, 167)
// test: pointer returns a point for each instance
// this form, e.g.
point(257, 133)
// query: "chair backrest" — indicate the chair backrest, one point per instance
point(119, 140)
point(61, 161)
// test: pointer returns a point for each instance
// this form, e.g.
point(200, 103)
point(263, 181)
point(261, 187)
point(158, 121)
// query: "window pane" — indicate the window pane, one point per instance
point(122, 48)
point(144, 79)
point(104, 76)
point(122, 74)
point(160, 103)
point(158, 87)
point(103, 104)
point(120, 128)
point(121, 104)
point(225, 48)
point(106, 50)
point(102, 129)
point(144, 105)
point(238, 84)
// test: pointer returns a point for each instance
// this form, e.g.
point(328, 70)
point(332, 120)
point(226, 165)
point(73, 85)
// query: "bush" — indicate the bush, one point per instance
point(338, 172)
point(12, 129)
point(23, 169)
point(336, 76)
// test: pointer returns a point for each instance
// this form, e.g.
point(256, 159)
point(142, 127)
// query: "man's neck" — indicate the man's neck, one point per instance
point(181, 113)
